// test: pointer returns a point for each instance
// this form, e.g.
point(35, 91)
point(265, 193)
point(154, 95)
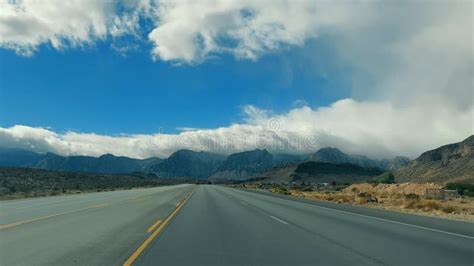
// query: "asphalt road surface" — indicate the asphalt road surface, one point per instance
point(215, 225)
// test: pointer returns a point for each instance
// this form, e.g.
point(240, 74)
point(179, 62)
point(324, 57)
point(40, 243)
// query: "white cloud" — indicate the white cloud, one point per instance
point(376, 129)
point(189, 31)
point(408, 52)
point(414, 52)
point(26, 24)
point(412, 62)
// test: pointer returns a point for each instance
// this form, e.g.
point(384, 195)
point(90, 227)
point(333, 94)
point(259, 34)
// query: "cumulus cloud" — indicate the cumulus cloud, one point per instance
point(400, 50)
point(26, 24)
point(412, 65)
point(189, 30)
point(377, 129)
point(410, 52)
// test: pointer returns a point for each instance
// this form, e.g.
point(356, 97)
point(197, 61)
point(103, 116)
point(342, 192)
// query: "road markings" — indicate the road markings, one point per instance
point(65, 200)
point(138, 198)
point(280, 220)
point(394, 222)
point(382, 219)
point(153, 226)
point(5, 226)
point(244, 203)
point(147, 241)
point(367, 216)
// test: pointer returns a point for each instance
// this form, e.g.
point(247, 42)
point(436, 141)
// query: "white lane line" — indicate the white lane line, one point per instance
point(395, 222)
point(280, 220)
point(375, 218)
point(390, 221)
point(244, 203)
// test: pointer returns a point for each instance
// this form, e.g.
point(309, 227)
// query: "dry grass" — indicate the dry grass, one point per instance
point(400, 197)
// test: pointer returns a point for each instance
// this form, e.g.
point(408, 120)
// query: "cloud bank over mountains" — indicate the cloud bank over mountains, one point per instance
point(412, 61)
point(374, 129)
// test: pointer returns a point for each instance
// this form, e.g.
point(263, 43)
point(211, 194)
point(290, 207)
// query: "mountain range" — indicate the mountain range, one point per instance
point(187, 163)
point(106, 163)
point(453, 162)
point(446, 164)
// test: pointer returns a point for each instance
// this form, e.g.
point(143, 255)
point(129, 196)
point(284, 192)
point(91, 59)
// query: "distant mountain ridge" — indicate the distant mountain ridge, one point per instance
point(244, 165)
point(106, 163)
point(319, 172)
point(187, 163)
point(334, 155)
point(182, 163)
point(448, 163)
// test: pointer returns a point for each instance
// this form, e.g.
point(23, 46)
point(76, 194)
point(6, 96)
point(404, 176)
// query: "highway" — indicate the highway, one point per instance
point(216, 225)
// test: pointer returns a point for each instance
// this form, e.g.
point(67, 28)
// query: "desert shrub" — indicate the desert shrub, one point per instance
point(342, 198)
point(363, 197)
point(354, 189)
point(409, 204)
point(448, 209)
point(428, 205)
point(410, 201)
point(412, 196)
point(361, 200)
point(283, 190)
point(399, 196)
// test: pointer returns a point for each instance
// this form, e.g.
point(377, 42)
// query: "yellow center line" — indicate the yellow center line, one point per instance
point(5, 226)
point(147, 241)
point(10, 225)
point(153, 226)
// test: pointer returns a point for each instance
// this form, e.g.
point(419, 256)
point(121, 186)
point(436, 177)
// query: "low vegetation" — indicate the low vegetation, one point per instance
point(386, 178)
point(27, 182)
point(462, 188)
point(406, 197)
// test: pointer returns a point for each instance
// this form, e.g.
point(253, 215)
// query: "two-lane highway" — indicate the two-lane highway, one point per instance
point(215, 225)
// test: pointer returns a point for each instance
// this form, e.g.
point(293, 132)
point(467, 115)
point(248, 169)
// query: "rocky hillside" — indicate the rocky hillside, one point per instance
point(334, 155)
point(189, 164)
point(320, 172)
point(244, 165)
point(449, 163)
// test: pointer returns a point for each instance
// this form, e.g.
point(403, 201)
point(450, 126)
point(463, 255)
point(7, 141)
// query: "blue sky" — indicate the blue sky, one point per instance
point(97, 89)
point(378, 78)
